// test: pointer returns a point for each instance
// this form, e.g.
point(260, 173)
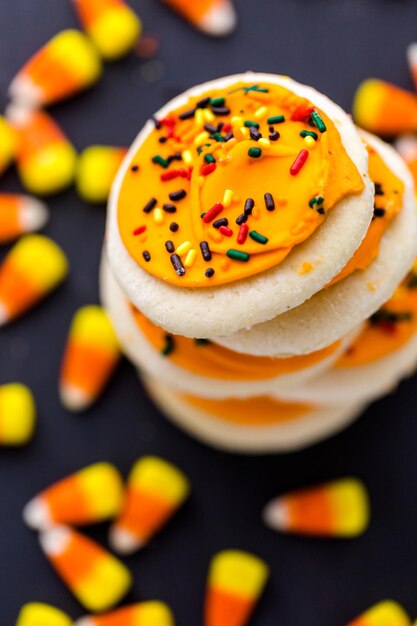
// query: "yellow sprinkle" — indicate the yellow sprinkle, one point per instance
point(199, 117)
point(224, 264)
point(187, 157)
point(190, 258)
point(215, 236)
point(309, 141)
point(201, 138)
point(244, 131)
point(236, 121)
point(227, 198)
point(209, 115)
point(264, 143)
point(183, 248)
point(229, 144)
point(158, 216)
point(260, 113)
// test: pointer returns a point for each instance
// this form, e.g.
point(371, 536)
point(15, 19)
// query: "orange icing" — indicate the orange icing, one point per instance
point(389, 200)
point(328, 173)
point(214, 361)
point(383, 334)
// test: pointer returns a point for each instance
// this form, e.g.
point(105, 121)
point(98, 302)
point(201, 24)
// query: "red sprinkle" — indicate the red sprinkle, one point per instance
point(207, 169)
point(171, 174)
point(226, 128)
point(303, 112)
point(243, 233)
point(139, 230)
point(188, 174)
point(213, 212)
point(299, 162)
point(168, 121)
point(225, 230)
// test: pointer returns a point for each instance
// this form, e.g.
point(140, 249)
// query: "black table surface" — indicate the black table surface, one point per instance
point(331, 45)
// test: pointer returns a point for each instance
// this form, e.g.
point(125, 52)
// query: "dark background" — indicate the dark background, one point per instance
point(331, 45)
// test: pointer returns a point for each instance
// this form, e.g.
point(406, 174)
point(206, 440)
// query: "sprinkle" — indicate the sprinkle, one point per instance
point(163, 139)
point(150, 205)
point(269, 202)
point(169, 245)
point(241, 219)
point(255, 134)
point(187, 114)
point(236, 120)
point(309, 133)
point(264, 143)
point(226, 231)
point(378, 189)
point(227, 128)
point(215, 236)
point(228, 137)
point(207, 169)
point(217, 102)
point(169, 345)
point(173, 227)
point(227, 198)
point(255, 153)
point(237, 255)
point(170, 175)
point(169, 208)
point(139, 230)
point(303, 112)
point(187, 157)
point(221, 110)
point(190, 258)
point(135, 168)
point(158, 216)
point(223, 221)
point(177, 195)
point(299, 162)
point(217, 136)
point(158, 160)
point(199, 118)
point(213, 212)
point(276, 119)
point(209, 158)
point(203, 103)
point(379, 212)
point(210, 129)
point(209, 115)
point(243, 233)
point(261, 112)
point(274, 136)
point(258, 237)
point(309, 142)
point(229, 144)
point(201, 138)
point(209, 272)
point(249, 204)
point(250, 124)
point(183, 248)
point(177, 264)
point(317, 121)
point(315, 200)
point(205, 250)
point(146, 256)
point(200, 341)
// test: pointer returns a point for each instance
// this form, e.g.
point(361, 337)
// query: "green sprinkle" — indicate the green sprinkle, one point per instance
point(309, 133)
point(169, 345)
point(255, 152)
point(203, 214)
point(276, 119)
point(218, 137)
point(202, 342)
point(217, 102)
point(250, 124)
point(317, 121)
point(158, 160)
point(315, 200)
point(237, 255)
point(258, 237)
point(209, 158)
point(256, 88)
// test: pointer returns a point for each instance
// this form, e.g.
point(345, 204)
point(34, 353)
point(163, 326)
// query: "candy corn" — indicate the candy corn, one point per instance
point(17, 414)
point(387, 613)
point(235, 583)
point(65, 65)
point(214, 17)
point(112, 25)
point(20, 215)
point(384, 108)
point(141, 614)
point(412, 61)
point(90, 357)
point(8, 144)
point(46, 160)
point(39, 614)
point(32, 269)
point(154, 492)
point(337, 509)
point(91, 495)
point(96, 169)
point(95, 577)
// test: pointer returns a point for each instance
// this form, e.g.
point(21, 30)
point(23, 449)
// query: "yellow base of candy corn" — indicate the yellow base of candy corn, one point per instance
point(8, 144)
point(39, 614)
point(116, 32)
point(51, 171)
point(96, 169)
point(17, 414)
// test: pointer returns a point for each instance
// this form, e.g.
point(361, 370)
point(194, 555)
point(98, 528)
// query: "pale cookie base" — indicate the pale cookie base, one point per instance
point(334, 312)
point(144, 356)
point(209, 312)
point(299, 433)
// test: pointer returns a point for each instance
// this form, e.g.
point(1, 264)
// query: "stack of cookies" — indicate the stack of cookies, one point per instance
point(258, 266)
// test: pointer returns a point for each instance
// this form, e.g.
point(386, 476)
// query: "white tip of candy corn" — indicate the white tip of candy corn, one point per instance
point(34, 214)
point(24, 91)
point(220, 20)
point(84, 621)
point(275, 515)
point(412, 55)
point(74, 399)
point(54, 541)
point(123, 542)
point(36, 514)
point(4, 315)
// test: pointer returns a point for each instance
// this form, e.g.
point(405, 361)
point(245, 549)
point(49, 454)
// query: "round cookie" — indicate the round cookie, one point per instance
point(201, 312)
point(285, 436)
point(334, 312)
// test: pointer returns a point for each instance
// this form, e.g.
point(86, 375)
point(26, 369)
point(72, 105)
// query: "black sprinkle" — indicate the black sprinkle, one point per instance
point(274, 136)
point(379, 212)
point(187, 114)
point(209, 272)
point(321, 210)
point(150, 205)
point(202, 342)
point(203, 103)
point(223, 221)
point(221, 110)
point(169, 245)
point(205, 250)
point(169, 345)
point(269, 202)
point(243, 217)
point(169, 208)
point(173, 227)
point(177, 265)
point(255, 134)
point(249, 204)
point(177, 195)
point(134, 168)
point(163, 139)
point(174, 157)
point(229, 136)
point(146, 256)
point(156, 122)
point(271, 129)
point(210, 128)
point(220, 126)
point(378, 189)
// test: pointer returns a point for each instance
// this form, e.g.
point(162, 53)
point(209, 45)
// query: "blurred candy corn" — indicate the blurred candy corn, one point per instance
point(337, 509)
point(8, 144)
point(112, 25)
point(385, 613)
point(17, 414)
point(96, 169)
point(31, 270)
point(141, 614)
point(407, 147)
point(154, 492)
point(46, 159)
point(91, 355)
point(20, 215)
point(95, 577)
point(384, 108)
point(39, 614)
point(235, 583)
point(214, 17)
point(67, 64)
point(412, 61)
point(91, 495)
